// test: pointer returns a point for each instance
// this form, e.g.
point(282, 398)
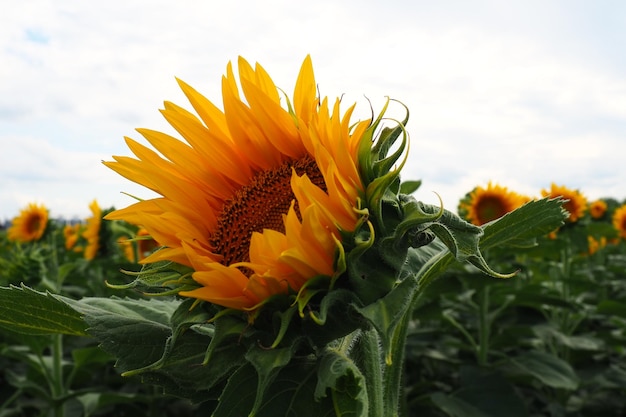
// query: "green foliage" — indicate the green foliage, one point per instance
point(552, 336)
point(413, 326)
point(24, 312)
point(328, 352)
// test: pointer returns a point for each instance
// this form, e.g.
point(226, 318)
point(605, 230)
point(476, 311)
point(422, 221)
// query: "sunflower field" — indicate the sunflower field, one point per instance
point(285, 269)
point(548, 342)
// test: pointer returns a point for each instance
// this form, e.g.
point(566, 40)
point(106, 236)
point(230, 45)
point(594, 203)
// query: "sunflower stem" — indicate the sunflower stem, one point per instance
point(373, 363)
point(57, 375)
point(394, 371)
point(484, 327)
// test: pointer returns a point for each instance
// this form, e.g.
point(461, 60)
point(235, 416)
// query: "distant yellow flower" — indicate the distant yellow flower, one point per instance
point(127, 247)
point(145, 245)
point(29, 225)
point(595, 244)
point(619, 221)
point(493, 202)
point(576, 204)
point(71, 232)
point(92, 231)
point(256, 198)
point(597, 209)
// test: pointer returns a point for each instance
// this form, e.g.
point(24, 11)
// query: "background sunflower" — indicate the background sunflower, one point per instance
point(30, 224)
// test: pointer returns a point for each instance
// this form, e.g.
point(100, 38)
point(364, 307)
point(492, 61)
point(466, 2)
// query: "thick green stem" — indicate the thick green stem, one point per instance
point(394, 370)
point(484, 328)
point(372, 363)
point(58, 388)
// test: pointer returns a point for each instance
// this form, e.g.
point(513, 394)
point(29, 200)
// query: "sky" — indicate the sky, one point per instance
point(520, 93)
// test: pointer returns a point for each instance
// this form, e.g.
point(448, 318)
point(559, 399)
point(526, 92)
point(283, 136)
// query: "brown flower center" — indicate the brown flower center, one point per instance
point(33, 224)
point(490, 208)
point(257, 206)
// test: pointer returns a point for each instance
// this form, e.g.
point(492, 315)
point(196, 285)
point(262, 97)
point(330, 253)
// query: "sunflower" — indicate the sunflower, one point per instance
point(595, 244)
point(597, 209)
point(145, 245)
point(258, 196)
point(576, 204)
point(126, 244)
point(71, 233)
point(486, 204)
point(619, 221)
point(92, 231)
point(29, 225)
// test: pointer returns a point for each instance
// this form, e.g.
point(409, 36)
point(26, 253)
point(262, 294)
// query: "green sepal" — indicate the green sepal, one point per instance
point(335, 317)
point(226, 328)
point(160, 278)
point(376, 166)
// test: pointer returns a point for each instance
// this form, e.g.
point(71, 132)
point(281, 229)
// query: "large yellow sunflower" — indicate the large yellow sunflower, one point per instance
point(256, 198)
point(29, 225)
point(576, 204)
point(486, 204)
point(92, 231)
point(619, 221)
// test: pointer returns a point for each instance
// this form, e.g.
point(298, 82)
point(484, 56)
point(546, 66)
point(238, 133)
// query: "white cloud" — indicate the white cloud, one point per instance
point(511, 95)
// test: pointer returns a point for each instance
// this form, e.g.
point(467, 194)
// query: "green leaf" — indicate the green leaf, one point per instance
point(387, 312)
point(24, 310)
point(535, 218)
point(548, 369)
point(291, 393)
point(339, 374)
point(612, 308)
point(490, 393)
point(455, 407)
point(135, 331)
point(409, 187)
point(90, 356)
point(267, 363)
point(239, 393)
point(547, 332)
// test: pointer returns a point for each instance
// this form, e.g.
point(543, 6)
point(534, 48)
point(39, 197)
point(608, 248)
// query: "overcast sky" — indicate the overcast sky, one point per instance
point(521, 93)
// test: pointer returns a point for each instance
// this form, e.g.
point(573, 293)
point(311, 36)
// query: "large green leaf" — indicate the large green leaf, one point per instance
point(456, 407)
point(612, 307)
point(547, 332)
point(135, 331)
point(31, 312)
point(535, 218)
point(518, 227)
point(549, 369)
point(161, 341)
point(490, 393)
point(292, 393)
point(483, 393)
